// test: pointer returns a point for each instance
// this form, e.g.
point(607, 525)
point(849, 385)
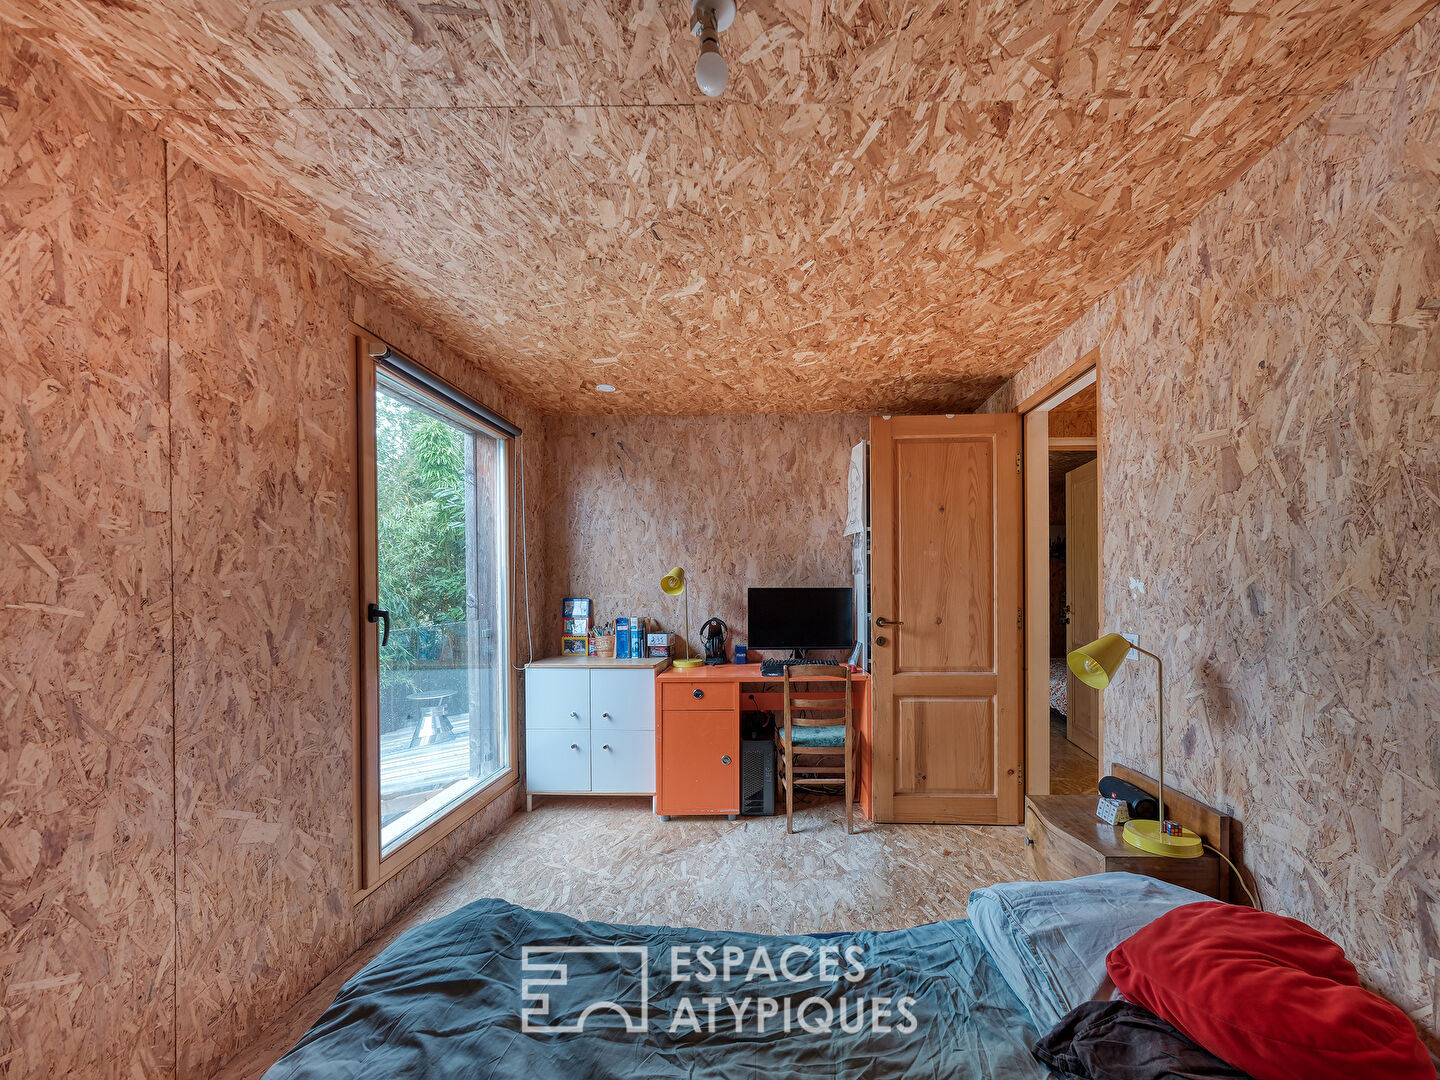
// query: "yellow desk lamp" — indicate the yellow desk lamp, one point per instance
point(1095, 665)
point(673, 584)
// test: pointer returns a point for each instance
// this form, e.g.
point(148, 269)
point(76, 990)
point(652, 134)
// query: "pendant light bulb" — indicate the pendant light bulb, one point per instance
point(708, 19)
point(711, 74)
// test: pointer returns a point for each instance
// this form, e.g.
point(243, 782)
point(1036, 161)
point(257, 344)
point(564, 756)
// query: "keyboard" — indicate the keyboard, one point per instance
point(775, 669)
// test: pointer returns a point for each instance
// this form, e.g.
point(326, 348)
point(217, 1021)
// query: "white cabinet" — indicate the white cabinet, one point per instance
point(590, 726)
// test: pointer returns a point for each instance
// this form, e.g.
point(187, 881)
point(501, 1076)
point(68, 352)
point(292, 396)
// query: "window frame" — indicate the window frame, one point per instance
point(374, 868)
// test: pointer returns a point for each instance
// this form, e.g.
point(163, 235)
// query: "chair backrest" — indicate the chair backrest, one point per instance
point(821, 699)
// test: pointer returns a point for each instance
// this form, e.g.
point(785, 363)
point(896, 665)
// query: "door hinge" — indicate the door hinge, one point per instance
point(1019, 618)
point(1017, 461)
point(1020, 775)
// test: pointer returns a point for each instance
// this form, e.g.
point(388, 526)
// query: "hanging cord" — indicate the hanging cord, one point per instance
point(525, 558)
point(1238, 877)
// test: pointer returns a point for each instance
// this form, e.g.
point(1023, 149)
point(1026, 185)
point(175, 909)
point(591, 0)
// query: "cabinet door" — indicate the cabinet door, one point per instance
point(699, 762)
point(557, 760)
point(623, 762)
point(622, 699)
point(557, 698)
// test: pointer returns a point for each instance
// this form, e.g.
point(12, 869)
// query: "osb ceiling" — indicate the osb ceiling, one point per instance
point(891, 209)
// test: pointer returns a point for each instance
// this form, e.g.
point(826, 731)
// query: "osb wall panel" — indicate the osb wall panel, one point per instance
point(86, 814)
point(265, 595)
point(737, 501)
point(892, 206)
point(1269, 393)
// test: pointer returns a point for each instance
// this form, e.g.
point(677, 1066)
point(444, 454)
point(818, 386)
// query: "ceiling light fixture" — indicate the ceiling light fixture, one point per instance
point(605, 388)
point(708, 20)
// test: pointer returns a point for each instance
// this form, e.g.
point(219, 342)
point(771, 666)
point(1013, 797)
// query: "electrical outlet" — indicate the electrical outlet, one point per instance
point(1133, 639)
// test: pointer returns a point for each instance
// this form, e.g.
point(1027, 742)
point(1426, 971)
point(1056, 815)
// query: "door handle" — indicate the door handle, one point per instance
point(375, 613)
point(887, 622)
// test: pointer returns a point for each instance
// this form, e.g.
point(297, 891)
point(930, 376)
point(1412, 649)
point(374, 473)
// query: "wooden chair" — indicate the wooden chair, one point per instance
point(819, 723)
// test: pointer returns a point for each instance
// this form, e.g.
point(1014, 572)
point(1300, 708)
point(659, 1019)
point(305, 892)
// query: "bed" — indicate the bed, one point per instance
point(1059, 686)
point(495, 990)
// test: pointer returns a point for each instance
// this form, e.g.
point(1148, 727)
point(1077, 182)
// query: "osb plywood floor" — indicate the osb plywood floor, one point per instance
point(612, 859)
point(1072, 770)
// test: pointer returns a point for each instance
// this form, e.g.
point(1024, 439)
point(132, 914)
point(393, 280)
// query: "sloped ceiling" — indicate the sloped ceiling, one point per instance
point(891, 209)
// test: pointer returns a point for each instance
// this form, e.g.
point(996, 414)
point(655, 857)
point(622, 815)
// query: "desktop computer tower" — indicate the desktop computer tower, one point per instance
point(757, 777)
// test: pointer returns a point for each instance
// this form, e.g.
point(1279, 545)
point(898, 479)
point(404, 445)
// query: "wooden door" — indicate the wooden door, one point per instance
point(945, 499)
point(1082, 594)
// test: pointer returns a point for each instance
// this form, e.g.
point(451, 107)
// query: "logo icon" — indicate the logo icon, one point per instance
point(546, 969)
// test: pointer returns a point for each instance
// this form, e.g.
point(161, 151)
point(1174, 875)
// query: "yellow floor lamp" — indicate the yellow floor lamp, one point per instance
point(1095, 665)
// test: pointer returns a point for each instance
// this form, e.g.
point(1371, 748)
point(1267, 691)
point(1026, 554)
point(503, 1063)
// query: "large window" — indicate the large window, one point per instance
point(436, 729)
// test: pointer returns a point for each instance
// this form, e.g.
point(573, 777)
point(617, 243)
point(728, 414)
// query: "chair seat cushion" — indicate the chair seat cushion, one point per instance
point(832, 735)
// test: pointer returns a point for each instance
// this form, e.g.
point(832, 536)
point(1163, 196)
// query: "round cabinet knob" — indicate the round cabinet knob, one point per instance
point(574, 746)
point(605, 716)
point(574, 716)
point(724, 759)
point(697, 694)
point(879, 641)
point(605, 747)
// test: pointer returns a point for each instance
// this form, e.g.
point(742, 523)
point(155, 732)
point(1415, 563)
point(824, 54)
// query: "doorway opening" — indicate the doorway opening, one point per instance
point(1063, 578)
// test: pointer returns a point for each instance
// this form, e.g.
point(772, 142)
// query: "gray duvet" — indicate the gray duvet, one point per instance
point(495, 990)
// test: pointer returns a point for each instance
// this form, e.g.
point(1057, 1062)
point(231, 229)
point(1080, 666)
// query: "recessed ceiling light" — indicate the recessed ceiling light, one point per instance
point(605, 388)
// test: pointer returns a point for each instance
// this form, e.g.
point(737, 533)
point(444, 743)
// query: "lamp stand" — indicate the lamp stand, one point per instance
point(684, 636)
point(1150, 836)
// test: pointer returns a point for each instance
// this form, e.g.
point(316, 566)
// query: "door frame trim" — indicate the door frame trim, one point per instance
point(1035, 417)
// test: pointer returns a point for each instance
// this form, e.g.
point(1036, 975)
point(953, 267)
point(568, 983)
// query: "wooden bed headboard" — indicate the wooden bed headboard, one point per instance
point(1210, 824)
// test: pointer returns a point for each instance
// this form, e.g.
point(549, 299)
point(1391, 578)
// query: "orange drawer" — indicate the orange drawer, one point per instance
point(699, 695)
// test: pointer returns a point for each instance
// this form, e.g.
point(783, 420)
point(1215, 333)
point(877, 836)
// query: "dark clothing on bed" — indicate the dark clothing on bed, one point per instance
point(1115, 1040)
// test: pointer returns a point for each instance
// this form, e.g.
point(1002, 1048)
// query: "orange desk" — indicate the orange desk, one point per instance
point(697, 735)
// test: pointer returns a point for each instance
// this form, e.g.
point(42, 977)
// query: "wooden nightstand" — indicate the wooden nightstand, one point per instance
point(1064, 839)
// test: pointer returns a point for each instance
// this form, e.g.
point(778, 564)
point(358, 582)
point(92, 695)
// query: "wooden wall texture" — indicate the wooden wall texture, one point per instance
point(1270, 388)
point(736, 500)
point(86, 804)
point(170, 881)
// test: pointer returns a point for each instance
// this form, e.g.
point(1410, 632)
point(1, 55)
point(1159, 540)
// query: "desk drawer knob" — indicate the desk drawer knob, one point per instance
point(724, 759)
point(697, 694)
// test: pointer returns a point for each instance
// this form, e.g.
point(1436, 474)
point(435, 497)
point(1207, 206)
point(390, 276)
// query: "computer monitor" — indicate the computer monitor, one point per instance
point(801, 618)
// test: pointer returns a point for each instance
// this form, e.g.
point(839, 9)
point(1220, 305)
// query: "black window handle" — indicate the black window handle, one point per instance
point(375, 613)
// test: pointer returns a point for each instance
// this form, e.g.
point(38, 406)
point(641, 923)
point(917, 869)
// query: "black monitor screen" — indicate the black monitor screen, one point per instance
point(802, 618)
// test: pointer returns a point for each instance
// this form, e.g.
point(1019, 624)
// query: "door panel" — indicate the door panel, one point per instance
point(946, 585)
point(556, 698)
point(945, 568)
point(622, 699)
point(1082, 592)
point(945, 746)
point(623, 762)
point(557, 760)
point(695, 777)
